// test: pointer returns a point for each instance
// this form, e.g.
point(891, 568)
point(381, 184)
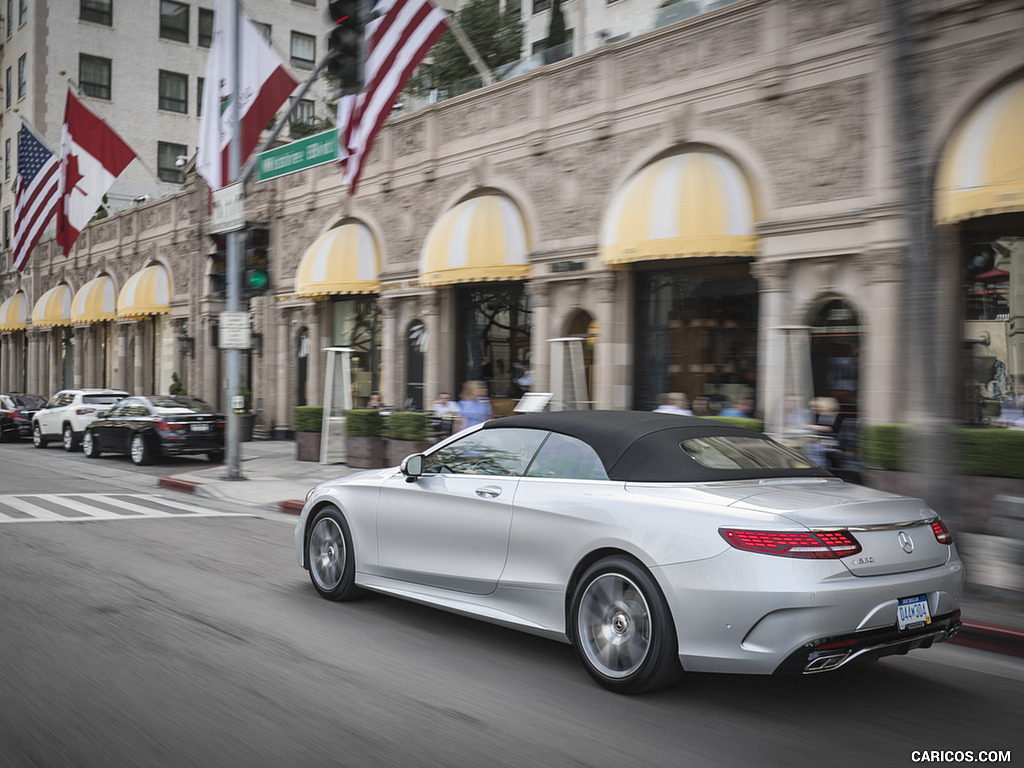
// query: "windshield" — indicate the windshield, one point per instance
point(734, 452)
point(28, 401)
point(168, 406)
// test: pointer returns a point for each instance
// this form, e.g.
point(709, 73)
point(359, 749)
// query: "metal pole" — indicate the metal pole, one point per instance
point(232, 357)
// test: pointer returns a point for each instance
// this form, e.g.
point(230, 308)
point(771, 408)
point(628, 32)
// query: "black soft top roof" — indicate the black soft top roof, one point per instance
point(643, 446)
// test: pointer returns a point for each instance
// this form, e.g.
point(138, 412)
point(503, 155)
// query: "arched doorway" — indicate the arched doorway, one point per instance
point(835, 354)
point(415, 353)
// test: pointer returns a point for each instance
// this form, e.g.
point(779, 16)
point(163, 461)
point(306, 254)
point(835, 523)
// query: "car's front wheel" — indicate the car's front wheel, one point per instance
point(332, 565)
point(68, 439)
point(622, 628)
point(215, 457)
point(140, 450)
point(89, 446)
point(37, 436)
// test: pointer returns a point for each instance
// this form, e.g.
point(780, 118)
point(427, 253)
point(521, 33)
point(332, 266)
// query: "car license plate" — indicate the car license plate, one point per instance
point(913, 612)
point(200, 427)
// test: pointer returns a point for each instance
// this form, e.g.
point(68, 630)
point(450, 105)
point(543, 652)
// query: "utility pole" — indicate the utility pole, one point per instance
point(233, 289)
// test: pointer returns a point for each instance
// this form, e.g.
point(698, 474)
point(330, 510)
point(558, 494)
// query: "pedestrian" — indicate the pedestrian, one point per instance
point(445, 414)
point(474, 405)
point(673, 402)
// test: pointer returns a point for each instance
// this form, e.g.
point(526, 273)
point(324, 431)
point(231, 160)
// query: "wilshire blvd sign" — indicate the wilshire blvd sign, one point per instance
point(298, 156)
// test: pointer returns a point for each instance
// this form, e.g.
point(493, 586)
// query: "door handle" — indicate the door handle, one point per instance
point(489, 491)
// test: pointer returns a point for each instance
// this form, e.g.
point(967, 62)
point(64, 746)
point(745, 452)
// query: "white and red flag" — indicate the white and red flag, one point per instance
point(37, 195)
point(397, 40)
point(92, 156)
point(264, 87)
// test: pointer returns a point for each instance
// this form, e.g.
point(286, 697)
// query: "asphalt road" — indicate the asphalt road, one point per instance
point(187, 640)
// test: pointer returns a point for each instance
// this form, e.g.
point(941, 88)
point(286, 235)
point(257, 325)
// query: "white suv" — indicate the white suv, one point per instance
point(65, 417)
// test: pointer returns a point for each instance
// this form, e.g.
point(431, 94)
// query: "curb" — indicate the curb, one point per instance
point(172, 483)
point(987, 637)
point(292, 507)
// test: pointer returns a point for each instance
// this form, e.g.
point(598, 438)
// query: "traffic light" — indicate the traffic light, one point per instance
point(345, 45)
point(219, 266)
point(256, 277)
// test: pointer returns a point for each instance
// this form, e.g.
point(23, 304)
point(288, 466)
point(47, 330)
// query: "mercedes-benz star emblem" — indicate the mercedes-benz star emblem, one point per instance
point(906, 542)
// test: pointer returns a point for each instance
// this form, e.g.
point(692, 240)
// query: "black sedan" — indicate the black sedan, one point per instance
point(159, 425)
point(16, 415)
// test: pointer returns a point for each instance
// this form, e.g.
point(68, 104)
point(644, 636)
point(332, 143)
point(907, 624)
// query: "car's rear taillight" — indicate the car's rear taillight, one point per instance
point(819, 545)
point(942, 534)
point(84, 411)
point(169, 426)
point(16, 415)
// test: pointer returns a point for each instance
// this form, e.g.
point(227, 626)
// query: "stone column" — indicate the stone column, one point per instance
point(389, 384)
point(882, 344)
point(539, 292)
point(5, 362)
point(138, 347)
point(613, 347)
point(283, 389)
point(433, 381)
point(120, 378)
point(772, 278)
point(83, 353)
point(34, 376)
point(53, 359)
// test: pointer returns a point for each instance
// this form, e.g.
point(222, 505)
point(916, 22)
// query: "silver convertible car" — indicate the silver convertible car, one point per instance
point(653, 543)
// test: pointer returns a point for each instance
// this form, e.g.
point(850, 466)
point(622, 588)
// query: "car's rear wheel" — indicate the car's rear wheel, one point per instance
point(89, 446)
point(329, 554)
point(622, 628)
point(37, 436)
point(68, 438)
point(140, 450)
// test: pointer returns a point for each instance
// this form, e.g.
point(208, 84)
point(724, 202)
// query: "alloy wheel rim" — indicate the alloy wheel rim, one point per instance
point(68, 438)
point(87, 442)
point(327, 553)
point(37, 435)
point(614, 625)
point(137, 449)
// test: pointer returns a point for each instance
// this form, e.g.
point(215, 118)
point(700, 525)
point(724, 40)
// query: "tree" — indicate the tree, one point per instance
point(497, 36)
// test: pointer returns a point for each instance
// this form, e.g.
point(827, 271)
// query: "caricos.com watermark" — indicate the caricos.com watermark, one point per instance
point(961, 756)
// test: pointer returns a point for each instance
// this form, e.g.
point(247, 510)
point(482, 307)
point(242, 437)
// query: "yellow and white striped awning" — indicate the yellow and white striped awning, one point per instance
point(13, 313)
point(982, 167)
point(692, 204)
point(95, 302)
point(53, 307)
point(479, 240)
point(147, 292)
point(344, 260)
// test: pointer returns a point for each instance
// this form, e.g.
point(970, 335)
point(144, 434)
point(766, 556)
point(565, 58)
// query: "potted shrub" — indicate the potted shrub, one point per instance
point(407, 434)
point(307, 420)
point(364, 441)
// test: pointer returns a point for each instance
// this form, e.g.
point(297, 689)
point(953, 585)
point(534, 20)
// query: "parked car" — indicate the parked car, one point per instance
point(16, 414)
point(653, 543)
point(68, 412)
point(158, 425)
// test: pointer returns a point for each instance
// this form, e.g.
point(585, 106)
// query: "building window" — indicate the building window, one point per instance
point(167, 162)
point(22, 12)
point(306, 2)
point(173, 21)
point(7, 229)
point(205, 28)
point(10, 18)
point(494, 331)
point(173, 92)
point(7, 159)
point(199, 95)
point(303, 50)
point(541, 5)
point(304, 112)
point(99, 11)
point(7, 89)
point(94, 76)
point(22, 76)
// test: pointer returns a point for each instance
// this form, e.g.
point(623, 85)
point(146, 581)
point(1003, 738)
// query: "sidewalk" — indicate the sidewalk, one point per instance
point(274, 480)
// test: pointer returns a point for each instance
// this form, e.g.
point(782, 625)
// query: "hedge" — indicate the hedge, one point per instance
point(308, 418)
point(976, 451)
point(363, 422)
point(407, 425)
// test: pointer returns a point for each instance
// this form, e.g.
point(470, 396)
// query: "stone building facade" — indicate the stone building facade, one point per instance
point(705, 207)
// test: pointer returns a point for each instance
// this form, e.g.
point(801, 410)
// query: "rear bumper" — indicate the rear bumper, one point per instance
point(829, 653)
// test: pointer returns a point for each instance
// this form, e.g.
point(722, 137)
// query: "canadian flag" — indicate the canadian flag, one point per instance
point(265, 85)
point(92, 157)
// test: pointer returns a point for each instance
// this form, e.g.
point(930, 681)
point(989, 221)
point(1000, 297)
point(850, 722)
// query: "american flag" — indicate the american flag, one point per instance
point(37, 196)
point(397, 40)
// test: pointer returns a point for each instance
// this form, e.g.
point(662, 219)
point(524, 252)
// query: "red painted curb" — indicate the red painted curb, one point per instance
point(292, 507)
point(174, 484)
point(987, 637)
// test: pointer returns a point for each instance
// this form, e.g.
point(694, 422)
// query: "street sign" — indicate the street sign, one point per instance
point(234, 330)
point(298, 156)
point(228, 213)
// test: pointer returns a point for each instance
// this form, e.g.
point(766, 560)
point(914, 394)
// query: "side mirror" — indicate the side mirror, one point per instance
point(412, 467)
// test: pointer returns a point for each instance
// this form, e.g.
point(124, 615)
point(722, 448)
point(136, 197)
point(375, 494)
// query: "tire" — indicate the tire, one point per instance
point(215, 457)
point(329, 555)
point(68, 439)
point(37, 436)
point(622, 628)
point(140, 452)
point(89, 446)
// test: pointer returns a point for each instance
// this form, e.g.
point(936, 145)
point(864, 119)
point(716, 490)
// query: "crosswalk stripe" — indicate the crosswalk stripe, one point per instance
point(99, 506)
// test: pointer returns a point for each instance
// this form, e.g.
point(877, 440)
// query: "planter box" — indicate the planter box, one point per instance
point(399, 449)
point(307, 446)
point(365, 452)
